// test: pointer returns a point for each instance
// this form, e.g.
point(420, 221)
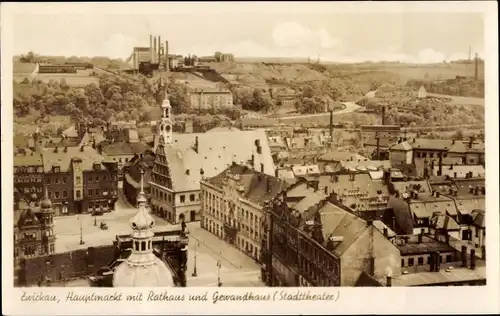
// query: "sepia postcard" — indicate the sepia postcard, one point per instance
point(250, 158)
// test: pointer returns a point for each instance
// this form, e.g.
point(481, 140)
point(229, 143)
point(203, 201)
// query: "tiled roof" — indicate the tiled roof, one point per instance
point(405, 146)
point(303, 142)
point(443, 221)
point(441, 277)
point(133, 173)
point(426, 246)
point(216, 152)
point(461, 170)
point(89, 156)
point(25, 215)
point(30, 158)
point(309, 200)
point(402, 214)
point(124, 148)
point(330, 215)
point(464, 185)
point(299, 190)
point(406, 186)
point(478, 218)
point(466, 206)
point(368, 165)
point(381, 225)
point(449, 145)
point(338, 156)
point(350, 228)
point(302, 170)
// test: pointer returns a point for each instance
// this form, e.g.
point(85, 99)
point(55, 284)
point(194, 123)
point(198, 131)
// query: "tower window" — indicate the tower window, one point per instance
point(143, 246)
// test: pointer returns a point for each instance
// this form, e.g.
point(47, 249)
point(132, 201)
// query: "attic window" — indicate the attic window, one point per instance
point(202, 172)
point(187, 172)
point(97, 166)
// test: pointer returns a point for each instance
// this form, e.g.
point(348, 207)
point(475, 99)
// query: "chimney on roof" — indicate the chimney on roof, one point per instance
point(476, 67)
point(369, 222)
point(276, 173)
point(262, 167)
point(420, 236)
point(155, 49)
point(159, 50)
point(473, 259)
point(386, 232)
point(268, 184)
point(476, 190)
point(388, 281)
point(56, 150)
point(82, 148)
point(471, 141)
point(451, 167)
point(65, 149)
point(438, 194)
point(187, 172)
point(326, 190)
point(463, 255)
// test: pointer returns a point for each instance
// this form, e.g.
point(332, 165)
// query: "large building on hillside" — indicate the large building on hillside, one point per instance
point(210, 98)
point(183, 160)
point(232, 206)
point(28, 172)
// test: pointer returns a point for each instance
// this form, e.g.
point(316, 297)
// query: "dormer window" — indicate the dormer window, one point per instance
point(56, 169)
point(97, 166)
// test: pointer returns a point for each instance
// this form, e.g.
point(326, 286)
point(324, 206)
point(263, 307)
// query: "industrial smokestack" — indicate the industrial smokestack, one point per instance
point(167, 62)
point(159, 50)
point(155, 50)
point(151, 47)
point(476, 65)
point(331, 126)
point(383, 115)
point(470, 53)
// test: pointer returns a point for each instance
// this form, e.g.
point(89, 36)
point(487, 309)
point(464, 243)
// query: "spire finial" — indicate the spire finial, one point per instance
point(142, 180)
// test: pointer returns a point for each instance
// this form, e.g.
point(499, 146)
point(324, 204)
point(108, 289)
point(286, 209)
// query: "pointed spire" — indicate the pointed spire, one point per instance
point(141, 197)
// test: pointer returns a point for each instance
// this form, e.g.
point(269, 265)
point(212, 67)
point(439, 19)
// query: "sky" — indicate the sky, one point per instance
point(251, 30)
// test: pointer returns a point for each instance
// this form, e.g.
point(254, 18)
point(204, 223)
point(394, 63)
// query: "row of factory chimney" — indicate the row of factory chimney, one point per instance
point(159, 52)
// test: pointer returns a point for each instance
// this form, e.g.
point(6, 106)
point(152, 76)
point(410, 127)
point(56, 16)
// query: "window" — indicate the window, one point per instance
point(97, 179)
point(411, 262)
point(143, 246)
point(402, 263)
point(48, 180)
point(420, 261)
point(90, 178)
point(90, 192)
point(65, 193)
point(64, 179)
point(78, 194)
point(78, 180)
point(57, 194)
point(97, 192)
point(57, 180)
point(192, 197)
point(183, 198)
point(52, 248)
point(476, 232)
point(448, 258)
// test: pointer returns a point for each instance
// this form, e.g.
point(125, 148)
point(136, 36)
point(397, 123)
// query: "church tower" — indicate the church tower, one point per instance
point(164, 131)
point(46, 219)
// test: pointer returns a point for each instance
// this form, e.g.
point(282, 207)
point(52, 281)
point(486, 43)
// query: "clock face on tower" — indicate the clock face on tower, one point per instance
point(167, 128)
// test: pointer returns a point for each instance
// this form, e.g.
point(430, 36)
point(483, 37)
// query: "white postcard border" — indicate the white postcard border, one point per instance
point(351, 300)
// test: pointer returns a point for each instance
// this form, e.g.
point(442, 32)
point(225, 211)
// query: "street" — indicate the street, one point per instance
point(236, 268)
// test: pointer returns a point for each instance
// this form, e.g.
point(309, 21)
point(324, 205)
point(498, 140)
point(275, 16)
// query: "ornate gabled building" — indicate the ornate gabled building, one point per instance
point(34, 229)
point(142, 268)
point(183, 160)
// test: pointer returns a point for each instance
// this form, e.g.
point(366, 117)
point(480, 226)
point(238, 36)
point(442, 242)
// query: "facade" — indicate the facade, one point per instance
point(325, 245)
point(288, 100)
point(28, 172)
point(78, 180)
point(232, 206)
point(386, 134)
point(183, 160)
point(34, 229)
point(210, 98)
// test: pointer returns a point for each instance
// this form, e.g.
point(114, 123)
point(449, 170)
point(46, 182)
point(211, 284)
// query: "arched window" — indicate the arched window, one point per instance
point(143, 246)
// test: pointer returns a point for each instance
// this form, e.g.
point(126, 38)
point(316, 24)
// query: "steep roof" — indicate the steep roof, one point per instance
point(350, 228)
point(63, 158)
point(216, 152)
point(124, 148)
point(404, 146)
point(443, 221)
point(478, 218)
point(309, 200)
point(30, 158)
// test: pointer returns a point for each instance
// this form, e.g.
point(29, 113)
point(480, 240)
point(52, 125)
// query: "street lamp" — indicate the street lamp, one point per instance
point(81, 231)
point(195, 250)
point(219, 283)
